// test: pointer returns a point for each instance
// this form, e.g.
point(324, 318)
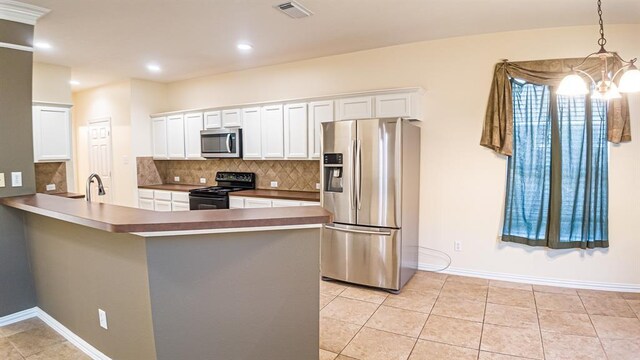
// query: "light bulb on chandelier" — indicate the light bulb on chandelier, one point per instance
point(606, 89)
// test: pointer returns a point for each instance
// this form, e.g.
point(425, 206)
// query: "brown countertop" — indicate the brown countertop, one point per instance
point(122, 219)
point(279, 194)
point(69, 195)
point(172, 187)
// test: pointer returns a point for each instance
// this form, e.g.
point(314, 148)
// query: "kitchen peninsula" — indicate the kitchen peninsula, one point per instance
point(216, 284)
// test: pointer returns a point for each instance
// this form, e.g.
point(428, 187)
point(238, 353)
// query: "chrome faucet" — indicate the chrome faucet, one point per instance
point(100, 186)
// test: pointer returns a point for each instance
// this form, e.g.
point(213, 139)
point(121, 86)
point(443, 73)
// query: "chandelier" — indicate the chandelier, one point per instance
point(574, 84)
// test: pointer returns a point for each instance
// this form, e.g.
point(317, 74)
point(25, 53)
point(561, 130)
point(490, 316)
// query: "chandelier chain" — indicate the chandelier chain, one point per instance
point(602, 41)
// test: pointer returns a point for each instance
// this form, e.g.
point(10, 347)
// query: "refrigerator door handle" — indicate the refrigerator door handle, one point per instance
point(354, 195)
point(359, 170)
point(380, 233)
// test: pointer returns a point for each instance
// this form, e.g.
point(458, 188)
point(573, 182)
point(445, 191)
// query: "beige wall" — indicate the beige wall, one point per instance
point(462, 184)
point(78, 270)
point(128, 105)
point(51, 83)
point(110, 101)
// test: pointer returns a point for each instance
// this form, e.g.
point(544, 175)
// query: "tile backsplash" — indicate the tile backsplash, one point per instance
point(298, 175)
point(51, 173)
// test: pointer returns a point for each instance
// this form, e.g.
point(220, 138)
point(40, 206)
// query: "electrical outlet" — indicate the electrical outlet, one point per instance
point(203, 181)
point(457, 246)
point(274, 184)
point(16, 179)
point(51, 187)
point(2, 184)
point(176, 178)
point(102, 317)
point(317, 186)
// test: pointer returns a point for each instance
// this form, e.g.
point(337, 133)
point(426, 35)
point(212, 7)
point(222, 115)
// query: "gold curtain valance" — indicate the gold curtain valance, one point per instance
point(497, 133)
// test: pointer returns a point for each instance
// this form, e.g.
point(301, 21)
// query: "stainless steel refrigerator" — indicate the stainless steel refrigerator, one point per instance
point(371, 184)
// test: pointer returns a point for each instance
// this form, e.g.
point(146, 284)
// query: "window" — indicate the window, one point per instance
point(557, 187)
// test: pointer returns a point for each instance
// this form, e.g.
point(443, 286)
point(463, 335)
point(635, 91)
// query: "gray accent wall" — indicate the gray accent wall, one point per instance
point(16, 154)
point(247, 295)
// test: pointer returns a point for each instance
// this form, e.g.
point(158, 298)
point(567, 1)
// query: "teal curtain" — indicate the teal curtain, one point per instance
point(557, 183)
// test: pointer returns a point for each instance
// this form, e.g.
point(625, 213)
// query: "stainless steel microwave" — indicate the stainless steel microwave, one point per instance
point(221, 143)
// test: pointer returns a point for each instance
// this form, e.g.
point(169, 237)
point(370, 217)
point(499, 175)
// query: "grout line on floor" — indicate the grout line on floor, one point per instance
point(535, 303)
point(594, 327)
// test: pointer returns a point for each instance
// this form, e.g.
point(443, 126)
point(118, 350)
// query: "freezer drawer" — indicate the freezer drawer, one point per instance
point(362, 255)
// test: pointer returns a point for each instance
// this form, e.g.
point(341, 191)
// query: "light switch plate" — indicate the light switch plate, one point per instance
point(16, 179)
point(51, 187)
point(176, 178)
point(203, 180)
point(274, 184)
point(2, 183)
point(317, 186)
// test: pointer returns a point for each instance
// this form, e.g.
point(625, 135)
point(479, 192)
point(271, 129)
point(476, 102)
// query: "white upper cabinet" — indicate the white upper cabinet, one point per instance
point(175, 138)
point(394, 105)
point(272, 132)
point(213, 119)
point(51, 133)
point(159, 133)
point(231, 118)
point(251, 134)
point(355, 108)
point(319, 112)
point(296, 135)
point(192, 127)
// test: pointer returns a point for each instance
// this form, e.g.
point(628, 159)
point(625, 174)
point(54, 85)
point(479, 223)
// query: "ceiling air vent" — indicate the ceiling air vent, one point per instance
point(294, 10)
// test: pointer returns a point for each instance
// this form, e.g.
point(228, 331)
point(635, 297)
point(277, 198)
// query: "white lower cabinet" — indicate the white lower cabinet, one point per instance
point(236, 202)
point(178, 206)
point(284, 203)
point(251, 203)
point(179, 201)
point(240, 202)
point(161, 205)
point(146, 204)
point(162, 200)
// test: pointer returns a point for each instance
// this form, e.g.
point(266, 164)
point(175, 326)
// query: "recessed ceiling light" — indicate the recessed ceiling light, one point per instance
point(74, 82)
point(154, 67)
point(42, 45)
point(244, 46)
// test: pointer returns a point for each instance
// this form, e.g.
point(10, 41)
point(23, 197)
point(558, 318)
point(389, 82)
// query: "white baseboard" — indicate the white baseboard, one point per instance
point(17, 317)
point(84, 346)
point(592, 285)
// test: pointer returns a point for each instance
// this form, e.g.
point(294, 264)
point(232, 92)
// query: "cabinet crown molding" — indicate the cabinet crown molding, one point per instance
point(416, 89)
point(20, 12)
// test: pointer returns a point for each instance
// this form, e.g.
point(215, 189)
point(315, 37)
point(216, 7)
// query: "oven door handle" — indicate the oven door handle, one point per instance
point(229, 143)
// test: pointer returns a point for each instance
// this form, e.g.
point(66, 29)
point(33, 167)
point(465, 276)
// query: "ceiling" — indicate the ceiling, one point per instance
point(106, 40)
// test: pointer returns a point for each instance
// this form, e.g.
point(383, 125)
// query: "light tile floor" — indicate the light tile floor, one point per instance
point(453, 317)
point(32, 339)
point(434, 317)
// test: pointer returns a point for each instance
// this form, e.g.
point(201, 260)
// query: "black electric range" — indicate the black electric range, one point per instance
point(217, 197)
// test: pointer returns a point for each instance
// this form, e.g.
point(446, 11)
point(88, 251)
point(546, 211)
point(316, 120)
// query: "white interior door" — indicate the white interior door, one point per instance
point(100, 158)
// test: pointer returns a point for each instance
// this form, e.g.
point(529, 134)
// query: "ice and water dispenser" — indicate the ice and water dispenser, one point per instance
point(333, 172)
